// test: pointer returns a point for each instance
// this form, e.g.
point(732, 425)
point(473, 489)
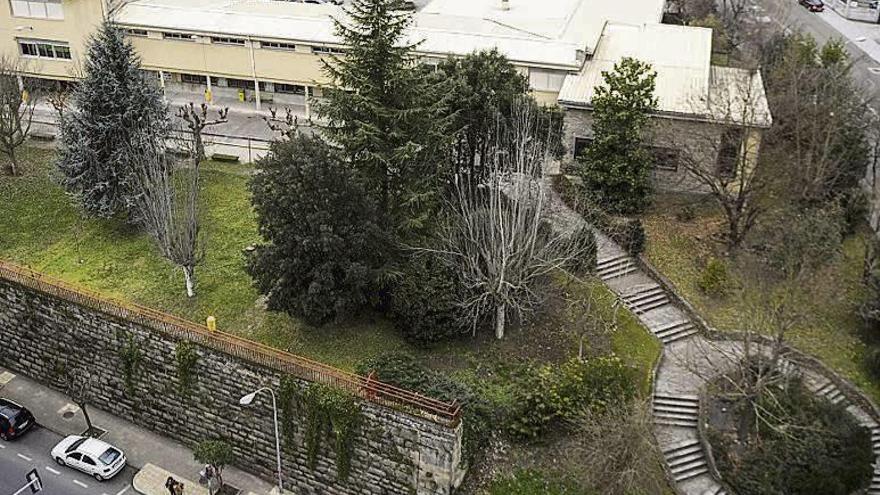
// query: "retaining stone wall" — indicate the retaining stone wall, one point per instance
point(394, 452)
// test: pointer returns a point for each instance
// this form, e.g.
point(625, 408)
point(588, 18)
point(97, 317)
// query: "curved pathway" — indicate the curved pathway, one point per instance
point(688, 360)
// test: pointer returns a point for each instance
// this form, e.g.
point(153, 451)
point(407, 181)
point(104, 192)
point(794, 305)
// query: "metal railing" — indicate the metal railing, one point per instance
point(367, 388)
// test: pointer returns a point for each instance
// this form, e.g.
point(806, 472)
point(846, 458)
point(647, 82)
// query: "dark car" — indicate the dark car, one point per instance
point(15, 420)
point(813, 5)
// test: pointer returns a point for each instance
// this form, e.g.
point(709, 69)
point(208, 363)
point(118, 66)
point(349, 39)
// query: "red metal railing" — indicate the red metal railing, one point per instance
point(180, 329)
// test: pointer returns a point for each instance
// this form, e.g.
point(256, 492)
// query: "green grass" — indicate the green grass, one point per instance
point(828, 327)
point(41, 227)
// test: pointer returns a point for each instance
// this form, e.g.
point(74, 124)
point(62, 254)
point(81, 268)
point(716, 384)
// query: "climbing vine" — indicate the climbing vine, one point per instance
point(130, 355)
point(330, 412)
point(186, 357)
point(289, 396)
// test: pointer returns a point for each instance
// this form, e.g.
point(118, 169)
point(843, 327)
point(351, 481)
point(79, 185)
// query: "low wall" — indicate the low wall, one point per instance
point(405, 444)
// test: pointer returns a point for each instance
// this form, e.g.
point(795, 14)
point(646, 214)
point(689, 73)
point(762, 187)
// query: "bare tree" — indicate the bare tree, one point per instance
point(59, 98)
point(196, 120)
point(168, 201)
point(723, 157)
point(16, 110)
point(78, 384)
point(285, 125)
point(497, 235)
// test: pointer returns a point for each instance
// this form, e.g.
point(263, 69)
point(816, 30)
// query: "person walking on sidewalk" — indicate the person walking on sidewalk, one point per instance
point(174, 487)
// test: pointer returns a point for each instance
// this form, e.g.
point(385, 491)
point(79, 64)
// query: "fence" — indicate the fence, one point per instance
point(366, 388)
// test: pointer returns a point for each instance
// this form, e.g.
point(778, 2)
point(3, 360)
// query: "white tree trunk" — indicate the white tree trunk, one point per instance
point(500, 314)
point(189, 276)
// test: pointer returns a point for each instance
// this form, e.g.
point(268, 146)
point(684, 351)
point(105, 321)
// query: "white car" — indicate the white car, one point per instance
point(89, 455)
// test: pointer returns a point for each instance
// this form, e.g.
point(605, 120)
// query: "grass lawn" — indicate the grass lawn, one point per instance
point(829, 326)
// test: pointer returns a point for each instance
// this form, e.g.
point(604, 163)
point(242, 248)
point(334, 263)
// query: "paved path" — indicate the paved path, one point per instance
point(689, 358)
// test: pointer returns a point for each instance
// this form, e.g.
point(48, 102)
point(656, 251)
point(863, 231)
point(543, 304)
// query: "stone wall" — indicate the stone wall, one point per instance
point(45, 334)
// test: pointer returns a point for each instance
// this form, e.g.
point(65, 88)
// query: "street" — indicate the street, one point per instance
point(31, 451)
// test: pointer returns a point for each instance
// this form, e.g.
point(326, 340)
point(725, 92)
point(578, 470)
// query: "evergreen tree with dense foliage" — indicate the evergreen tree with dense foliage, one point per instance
point(322, 244)
point(386, 115)
point(616, 166)
point(114, 111)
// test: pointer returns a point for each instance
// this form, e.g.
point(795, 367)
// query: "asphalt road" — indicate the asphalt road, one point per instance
point(18, 457)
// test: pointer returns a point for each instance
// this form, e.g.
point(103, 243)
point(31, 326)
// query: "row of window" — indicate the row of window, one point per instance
point(44, 49)
point(230, 40)
point(39, 9)
point(247, 84)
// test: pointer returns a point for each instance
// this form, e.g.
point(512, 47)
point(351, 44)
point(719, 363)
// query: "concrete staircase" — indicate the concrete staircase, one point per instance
point(645, 298)
point(685, 460)
point(826, 388)
point(676, 410)
point(718, 490)
point(675, 331)
point(615, 266)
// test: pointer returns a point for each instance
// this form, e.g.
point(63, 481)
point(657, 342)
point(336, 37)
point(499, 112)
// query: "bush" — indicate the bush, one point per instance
point(404, 371)
point(855, 210)
point(425, 301)
point(813, 447)
point(531, 482)
point(548, 395)
point(872, 361)
point(585, 239)
point(714, 279)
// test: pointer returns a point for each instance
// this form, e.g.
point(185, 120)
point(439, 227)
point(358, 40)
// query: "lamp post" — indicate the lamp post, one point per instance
point(246, 401)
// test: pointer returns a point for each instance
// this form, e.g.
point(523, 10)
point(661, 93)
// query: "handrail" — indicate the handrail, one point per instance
point(366, 388)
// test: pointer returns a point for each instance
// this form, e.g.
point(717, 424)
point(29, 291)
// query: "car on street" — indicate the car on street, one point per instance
point(813, 5)
point(15, 420)
point(92, 456)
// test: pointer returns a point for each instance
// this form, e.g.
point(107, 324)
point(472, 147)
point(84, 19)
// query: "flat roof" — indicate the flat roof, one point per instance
point(552, 33)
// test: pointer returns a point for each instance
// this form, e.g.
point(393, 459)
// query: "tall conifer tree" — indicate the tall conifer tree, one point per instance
point(115, 110)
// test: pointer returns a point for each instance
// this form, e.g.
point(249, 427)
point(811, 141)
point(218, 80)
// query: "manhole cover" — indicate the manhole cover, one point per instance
point(68, 414)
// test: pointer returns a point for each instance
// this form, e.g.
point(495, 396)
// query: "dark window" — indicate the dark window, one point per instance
point(177, 36)
point(62, 51)
point(580, 146)
point(44, 49)
point(88, 460)
point(109, 456)
point(76, 456)
point(29, 49)
point(227, 41)
point(274, 45)
point(75, 445)
point(327, 50)
point(728, 151)
point(192, 79)
point(665, 158)
point(136, 32)
point(294, 89)
point(239, 83)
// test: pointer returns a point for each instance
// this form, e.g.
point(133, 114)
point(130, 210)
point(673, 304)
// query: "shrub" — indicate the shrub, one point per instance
point(585, 239)
point(855, 210)
point(872, 361)
point(714, 278)
point(531, 482)
point(404, 371)
point(424, 302)
point(813, 446)
point(548, 394)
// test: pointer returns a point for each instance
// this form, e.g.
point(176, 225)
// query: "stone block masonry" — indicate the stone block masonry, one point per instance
point(405, 444)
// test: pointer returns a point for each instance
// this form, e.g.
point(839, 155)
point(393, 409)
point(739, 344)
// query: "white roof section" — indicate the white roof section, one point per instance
point(552, 33)
point(680, 56)
point(737, 96)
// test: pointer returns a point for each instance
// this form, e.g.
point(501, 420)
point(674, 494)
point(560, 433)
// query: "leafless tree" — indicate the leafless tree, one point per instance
point(196, 120)
point(78, 384)
point(168, 200)
point(16, 110)
point(497, 235)
point(615, 450)
point(59, 98)
point(723, 157)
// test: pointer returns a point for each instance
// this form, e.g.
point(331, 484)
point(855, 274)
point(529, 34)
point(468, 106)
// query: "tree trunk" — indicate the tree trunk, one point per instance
point(199, 148)
point(13, 162)
point(84, 408)
point(500, 315)
point(189, 276)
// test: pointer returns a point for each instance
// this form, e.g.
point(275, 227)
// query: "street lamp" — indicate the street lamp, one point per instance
point(246, 401)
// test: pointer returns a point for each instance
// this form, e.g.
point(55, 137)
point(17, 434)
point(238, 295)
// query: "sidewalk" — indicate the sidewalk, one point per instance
point(864, 35)
point(56, 412)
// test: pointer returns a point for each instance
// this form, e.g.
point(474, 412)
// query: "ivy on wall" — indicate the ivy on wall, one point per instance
point(130, 355)
point(186, 358)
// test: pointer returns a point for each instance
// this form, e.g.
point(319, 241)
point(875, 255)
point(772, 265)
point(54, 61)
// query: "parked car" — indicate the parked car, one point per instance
point(15, 420)
point(813, 5)
point(92, 456)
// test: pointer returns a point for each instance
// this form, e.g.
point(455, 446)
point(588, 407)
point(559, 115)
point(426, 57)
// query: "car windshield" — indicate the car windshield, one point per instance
point(109, 456)
point(75, 445)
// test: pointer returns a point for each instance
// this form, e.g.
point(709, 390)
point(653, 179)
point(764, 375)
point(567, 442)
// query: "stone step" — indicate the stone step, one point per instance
point(659, 303)
point(617, 272)
point(676, 423)
point(690, 470)
point(690, 401)
point(606, 262)
point(716, 490)
point(683, 447)
point(830, 391)
point(680, 419)
point(666, 408)
point(676, 331)
point(642, 292)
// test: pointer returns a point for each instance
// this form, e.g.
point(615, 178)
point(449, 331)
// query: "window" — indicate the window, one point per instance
point(76, 456)
point(239, 83)
point(294, 89)
point(109, 456)
point(665, 158)
point(40, 9)
point(75, 445)
point(193, 79)
point(88, 460)
point(580, 146)
point(177, 36)
point(274, 45)
point(44, 49)
point(227, 41)
point(136, 32)
point(327, 50)
point(546, 80)
point(728, 151)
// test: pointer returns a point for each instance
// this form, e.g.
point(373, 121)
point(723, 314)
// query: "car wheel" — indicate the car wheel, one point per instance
point(98, 477)
point(3, 436)
point(60, 461)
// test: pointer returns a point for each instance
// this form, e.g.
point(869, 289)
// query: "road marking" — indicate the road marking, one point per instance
point(53, 471)
point(2, 446)
point(24, 457)
point(80, 483)
point(120, 492)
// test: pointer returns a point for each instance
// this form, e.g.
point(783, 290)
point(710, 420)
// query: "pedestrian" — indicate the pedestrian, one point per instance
point(171, 485)
point(178, 488)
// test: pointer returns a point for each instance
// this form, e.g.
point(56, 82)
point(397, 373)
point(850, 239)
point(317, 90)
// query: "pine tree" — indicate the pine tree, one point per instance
point(616, 167)
point(114, 110)
point(386, 114)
